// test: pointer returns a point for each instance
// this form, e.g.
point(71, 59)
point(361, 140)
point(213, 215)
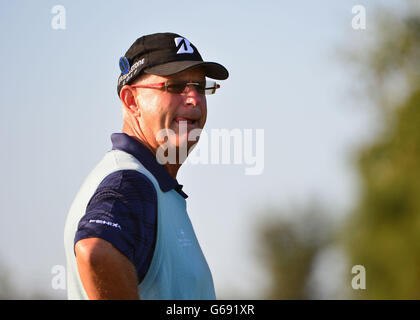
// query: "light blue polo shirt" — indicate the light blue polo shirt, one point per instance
point(178, 268)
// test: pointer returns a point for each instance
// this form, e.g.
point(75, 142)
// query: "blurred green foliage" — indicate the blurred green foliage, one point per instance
point(383, 231)
point(290, 247)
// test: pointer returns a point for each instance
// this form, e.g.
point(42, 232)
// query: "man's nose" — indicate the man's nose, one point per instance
point(191, 87)
point(193, 97)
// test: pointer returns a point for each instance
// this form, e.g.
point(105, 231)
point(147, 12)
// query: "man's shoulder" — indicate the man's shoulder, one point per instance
point(129, 184)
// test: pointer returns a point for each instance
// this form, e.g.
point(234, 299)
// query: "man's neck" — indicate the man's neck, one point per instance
point(171, 168)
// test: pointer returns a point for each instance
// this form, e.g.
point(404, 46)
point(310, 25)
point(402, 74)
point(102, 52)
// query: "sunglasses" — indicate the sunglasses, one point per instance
point(179, 86)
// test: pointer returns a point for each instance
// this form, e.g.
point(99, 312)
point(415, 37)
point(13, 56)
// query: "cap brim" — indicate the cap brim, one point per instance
point(212, 70)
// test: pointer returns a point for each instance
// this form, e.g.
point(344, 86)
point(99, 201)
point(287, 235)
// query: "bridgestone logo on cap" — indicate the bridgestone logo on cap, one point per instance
point(184, 45)
point(124, 65)
point(132, 70)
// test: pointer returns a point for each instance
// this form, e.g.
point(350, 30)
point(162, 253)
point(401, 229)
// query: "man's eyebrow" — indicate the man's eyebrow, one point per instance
point(185, 77)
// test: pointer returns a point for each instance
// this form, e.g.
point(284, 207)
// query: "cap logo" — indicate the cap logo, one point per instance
point(124, 65)
point(184, 45)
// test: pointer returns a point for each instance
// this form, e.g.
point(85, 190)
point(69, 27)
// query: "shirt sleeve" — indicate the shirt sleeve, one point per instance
point(123, 211)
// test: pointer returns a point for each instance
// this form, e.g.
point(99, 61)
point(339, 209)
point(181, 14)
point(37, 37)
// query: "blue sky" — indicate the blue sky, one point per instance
point(59, 106)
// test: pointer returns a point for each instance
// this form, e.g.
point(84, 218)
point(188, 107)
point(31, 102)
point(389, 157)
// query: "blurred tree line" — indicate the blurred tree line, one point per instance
point(382, 232)
point(290, 247)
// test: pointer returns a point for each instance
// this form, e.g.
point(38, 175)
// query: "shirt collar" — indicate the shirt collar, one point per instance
point(123, 142)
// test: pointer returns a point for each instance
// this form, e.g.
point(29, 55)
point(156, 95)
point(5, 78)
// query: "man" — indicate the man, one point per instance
point(127, 234)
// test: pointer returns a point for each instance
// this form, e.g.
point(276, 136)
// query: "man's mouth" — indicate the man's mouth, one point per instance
point(189, 121)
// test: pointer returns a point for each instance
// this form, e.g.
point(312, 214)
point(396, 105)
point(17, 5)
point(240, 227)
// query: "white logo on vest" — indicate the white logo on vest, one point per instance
point(182, 240)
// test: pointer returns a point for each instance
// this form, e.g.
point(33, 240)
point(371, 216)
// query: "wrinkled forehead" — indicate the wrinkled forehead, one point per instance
point(190, 74)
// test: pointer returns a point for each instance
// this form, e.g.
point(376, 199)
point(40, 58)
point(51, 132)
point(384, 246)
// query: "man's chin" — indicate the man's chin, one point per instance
point(175, 150)
point(182, 144)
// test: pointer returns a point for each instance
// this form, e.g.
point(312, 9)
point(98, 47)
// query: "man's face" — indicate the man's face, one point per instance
point(162, 110)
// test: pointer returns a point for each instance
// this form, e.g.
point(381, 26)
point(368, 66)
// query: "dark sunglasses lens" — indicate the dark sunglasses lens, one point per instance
point(200, 87)
point(179, 86)
point(176, 87)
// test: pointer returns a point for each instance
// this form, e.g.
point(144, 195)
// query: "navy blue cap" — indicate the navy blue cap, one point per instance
point(164, 54)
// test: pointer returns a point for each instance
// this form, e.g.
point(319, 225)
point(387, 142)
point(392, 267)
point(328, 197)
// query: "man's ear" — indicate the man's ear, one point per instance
point(127, 96)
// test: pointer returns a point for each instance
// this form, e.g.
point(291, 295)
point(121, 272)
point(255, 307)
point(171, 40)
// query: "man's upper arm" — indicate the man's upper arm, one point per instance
point(105, 272)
